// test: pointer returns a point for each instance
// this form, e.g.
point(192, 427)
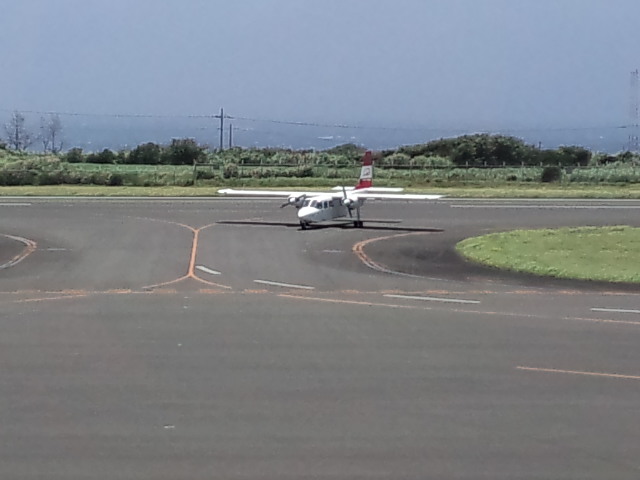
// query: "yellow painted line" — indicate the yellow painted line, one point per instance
point(29, 249)
point(46, 299)
point(358, 249)
point(194, 252)
point(577, 372)
point(353, 302)
point(164, 284)
point(191, 269)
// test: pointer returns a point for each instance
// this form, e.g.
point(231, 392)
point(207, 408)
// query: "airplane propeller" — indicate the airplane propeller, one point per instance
point(346, 202)
point(295, 201)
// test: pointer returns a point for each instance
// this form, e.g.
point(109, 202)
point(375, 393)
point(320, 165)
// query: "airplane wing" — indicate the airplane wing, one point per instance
point(265, 193)
point(396, 196)
point(365, 193)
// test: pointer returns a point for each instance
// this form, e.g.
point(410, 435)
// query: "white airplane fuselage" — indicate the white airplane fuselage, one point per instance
point(321, 208)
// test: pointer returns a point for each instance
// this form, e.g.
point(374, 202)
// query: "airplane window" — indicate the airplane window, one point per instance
point(306, 203)
point(326, 205)
point(330, 203)
point(313, 203)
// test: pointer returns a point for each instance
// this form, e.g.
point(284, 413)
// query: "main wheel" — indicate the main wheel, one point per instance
point(303, 225)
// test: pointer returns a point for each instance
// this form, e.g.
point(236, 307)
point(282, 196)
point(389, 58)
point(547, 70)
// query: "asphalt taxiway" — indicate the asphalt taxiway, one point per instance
point(211, 338)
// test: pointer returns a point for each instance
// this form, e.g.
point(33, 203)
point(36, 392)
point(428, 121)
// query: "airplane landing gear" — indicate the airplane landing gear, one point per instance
point(358, 223)
point(303, 225)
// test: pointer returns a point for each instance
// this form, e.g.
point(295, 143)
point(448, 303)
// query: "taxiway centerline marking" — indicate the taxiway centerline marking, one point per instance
point(15, 204)
point(358, 249)
point(614, 310)
point(577, 372)
point(432, 299)
point(31, 247)
point(286, 285)
point(208, 270)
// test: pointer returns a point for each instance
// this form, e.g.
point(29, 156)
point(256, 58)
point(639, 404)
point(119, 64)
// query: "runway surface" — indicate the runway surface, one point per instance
point(211, 338)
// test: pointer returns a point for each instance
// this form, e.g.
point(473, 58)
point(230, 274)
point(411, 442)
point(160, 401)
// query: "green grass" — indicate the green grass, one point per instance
point(205, 188)
point(610, 254)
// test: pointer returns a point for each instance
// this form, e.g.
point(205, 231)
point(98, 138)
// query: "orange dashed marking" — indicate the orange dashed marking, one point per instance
point(211, 291)
point(46, 299)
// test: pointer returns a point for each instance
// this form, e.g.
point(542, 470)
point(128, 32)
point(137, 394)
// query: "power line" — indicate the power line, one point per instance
point(106, 115)
point(296, 123)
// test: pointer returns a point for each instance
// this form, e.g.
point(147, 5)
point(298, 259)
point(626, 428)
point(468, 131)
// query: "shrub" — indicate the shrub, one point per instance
point(146, 154)
point(51, 178)
point(183, 151)
point(431, 161)
point(305, 172)
point(74, 156)
point(397, 160)
point(551, 173)
point(230, 170)
point(15, 178)
point(115, 180)
point(104, 157)
point(205, 174)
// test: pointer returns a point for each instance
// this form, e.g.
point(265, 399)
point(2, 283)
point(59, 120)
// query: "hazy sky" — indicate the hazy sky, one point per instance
point(468, 63)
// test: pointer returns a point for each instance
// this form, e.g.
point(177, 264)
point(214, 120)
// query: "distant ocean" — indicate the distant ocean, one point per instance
point(126, 133)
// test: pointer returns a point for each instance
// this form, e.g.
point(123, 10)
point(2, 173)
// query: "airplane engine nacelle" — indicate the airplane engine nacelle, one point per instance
point(296, 201)
point(350, 202)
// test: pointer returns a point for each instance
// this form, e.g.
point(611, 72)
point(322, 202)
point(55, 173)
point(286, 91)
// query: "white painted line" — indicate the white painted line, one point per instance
point(286, 285)
point(208, 270)
point(15, 204)
point(614, 310)
point(432, 299)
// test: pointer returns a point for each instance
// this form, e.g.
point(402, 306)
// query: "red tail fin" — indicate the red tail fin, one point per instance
point(366, 172)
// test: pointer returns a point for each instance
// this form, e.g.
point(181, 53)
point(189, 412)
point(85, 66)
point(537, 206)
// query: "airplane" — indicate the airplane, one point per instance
point(315, 207)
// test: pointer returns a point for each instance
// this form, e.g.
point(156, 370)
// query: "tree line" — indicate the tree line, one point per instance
point(477, 150)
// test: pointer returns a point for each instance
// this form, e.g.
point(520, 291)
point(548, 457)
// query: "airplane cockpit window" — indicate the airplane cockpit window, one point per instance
point(306, 203)
point(313, 203)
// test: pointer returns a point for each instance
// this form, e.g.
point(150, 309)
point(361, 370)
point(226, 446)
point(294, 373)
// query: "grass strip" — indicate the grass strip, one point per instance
point(610, 254)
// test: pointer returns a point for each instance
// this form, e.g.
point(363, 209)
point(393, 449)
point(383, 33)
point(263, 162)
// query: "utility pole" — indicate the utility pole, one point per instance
point(222, 116)
point(634, 112)
point(221, 127)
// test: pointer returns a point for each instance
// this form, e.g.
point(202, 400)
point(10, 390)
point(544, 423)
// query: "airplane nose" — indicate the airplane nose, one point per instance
point(305, 213)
